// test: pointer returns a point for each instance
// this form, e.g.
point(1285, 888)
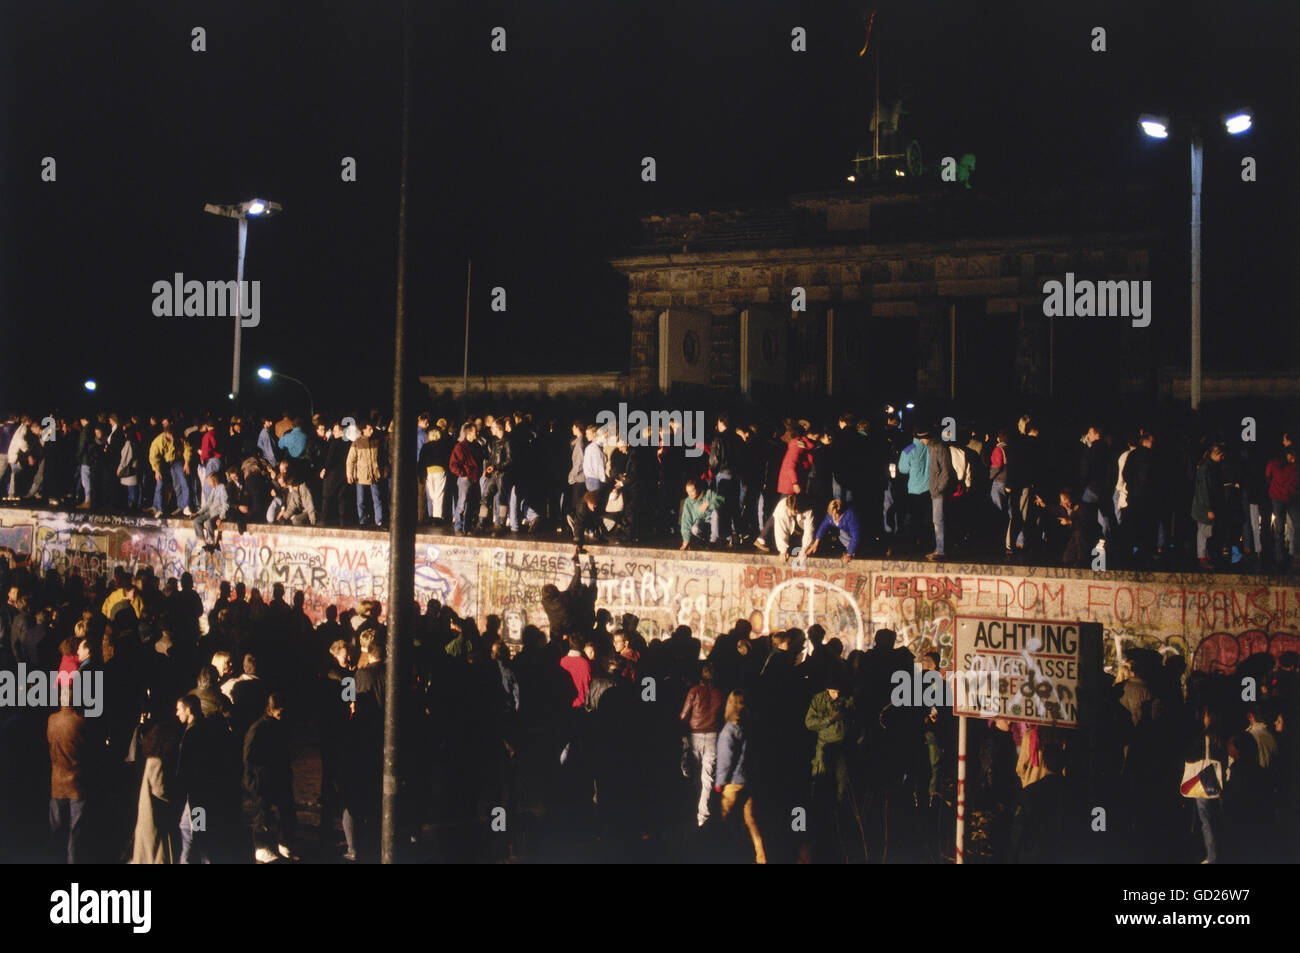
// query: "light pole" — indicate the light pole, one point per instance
point(240, 212)
point(265, 373)
point(1157, 127)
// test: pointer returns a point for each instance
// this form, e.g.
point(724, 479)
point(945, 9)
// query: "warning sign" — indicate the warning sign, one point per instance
point(1019, 669)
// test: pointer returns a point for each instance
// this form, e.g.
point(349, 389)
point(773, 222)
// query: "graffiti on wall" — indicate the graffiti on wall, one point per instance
point(1212, 622)
point(15, 540)
point(662, 593)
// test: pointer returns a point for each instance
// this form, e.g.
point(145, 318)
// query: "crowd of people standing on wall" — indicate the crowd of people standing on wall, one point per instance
point(1089, 496)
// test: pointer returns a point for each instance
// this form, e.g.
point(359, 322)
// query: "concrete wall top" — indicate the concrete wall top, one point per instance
point(1214, 621)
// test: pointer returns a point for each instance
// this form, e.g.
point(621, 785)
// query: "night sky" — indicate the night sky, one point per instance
point(529, 161)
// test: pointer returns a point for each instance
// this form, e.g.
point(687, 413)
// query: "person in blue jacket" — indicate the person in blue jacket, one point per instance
point(729, 778)
point(841, 524)
point(914, 463)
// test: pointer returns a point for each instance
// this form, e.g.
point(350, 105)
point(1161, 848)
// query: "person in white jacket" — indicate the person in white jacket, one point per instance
point(128, 472)
point(792, 514)
point(20, 457)
point(593, 460)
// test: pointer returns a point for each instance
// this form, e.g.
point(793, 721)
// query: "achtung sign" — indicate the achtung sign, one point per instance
point(1019, 669)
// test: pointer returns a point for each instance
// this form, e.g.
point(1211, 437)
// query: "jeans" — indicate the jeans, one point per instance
point(180, 486)
point(1210, 815)
point(466, 504)
point(204, 469)
point(1001, 501)
point(1251, 528)
point(1104, 516)
point(132, 497)
point(68, 813)
point(894, 511)
point(496, 496)
point(376, 499)
point(711, 522)
point(936, 511)
point(1285, 522)
point(186, 835)
point(704, 754)
point(724, 484)
point(1024, 526)
point(86, 496)
point(1203, 533)
point(205, 527)
point(517, 503)
point(748, 509)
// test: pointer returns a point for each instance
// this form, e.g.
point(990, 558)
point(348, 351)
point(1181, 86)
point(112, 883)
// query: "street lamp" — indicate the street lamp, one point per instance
point(1157, 127)
point(240, 212)
point(265, 373)
point(90, 386)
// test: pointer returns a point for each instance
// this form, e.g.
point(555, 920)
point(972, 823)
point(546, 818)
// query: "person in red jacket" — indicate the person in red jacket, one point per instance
point(1281, 477)
point(791, 478)
point(466, 465)
point(798, 461)
point(579, 669)
point(701, 715)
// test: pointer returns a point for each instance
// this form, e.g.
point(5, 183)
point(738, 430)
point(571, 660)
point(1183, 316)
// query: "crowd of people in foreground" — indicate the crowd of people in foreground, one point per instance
point(591, 743)
point(1142, 497)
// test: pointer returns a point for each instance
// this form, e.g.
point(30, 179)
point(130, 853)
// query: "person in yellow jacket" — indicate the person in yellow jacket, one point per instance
point(124, 590)
point(366, 469)
point(167, 455)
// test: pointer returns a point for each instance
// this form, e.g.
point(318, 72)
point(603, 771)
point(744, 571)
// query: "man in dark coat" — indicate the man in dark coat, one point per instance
point(573, 611)
point(206, 772)
point(268, 782)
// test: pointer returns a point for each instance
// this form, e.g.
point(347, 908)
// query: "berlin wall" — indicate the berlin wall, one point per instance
point(1214, 621)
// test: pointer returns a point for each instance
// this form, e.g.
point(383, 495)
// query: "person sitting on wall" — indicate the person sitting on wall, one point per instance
point(699, 512)
point(207, 521)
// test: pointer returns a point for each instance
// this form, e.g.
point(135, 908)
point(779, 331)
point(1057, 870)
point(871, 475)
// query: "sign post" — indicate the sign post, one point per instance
point(961, 788)
point(1026, 670)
